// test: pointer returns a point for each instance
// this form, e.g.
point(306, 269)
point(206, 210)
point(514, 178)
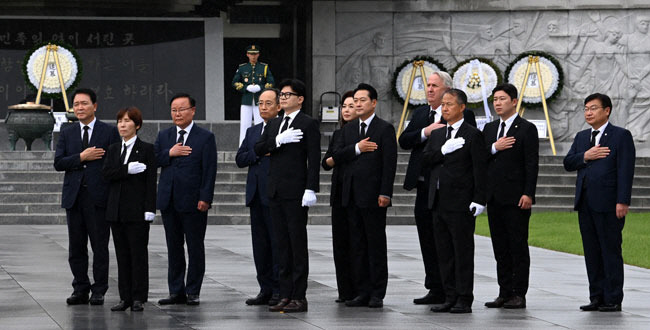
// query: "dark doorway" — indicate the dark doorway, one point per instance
point(278, 53)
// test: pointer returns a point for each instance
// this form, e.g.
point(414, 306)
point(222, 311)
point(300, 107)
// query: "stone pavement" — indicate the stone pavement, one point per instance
point(35, 280)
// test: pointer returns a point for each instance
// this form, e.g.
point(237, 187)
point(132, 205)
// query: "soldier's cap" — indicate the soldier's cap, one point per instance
point(253, 49)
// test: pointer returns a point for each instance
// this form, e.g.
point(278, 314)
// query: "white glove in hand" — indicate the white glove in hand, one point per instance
point(253, 88)
point(149, 216)
point(308, 198)
point(452, 145)
point(476, 208)
point(291, 135)
point(136, 167)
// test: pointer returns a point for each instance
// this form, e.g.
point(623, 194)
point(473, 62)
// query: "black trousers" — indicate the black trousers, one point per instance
point(509, 234)
point(369, 252)
point(264, 247)
point(601, 239)
point(424, 223)
point(290, 229)
point(342, 253)
point(87, 221)
point(454, 232)
point(181, 227)
point(131, 240)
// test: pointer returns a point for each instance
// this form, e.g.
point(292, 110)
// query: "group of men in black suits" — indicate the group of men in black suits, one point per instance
point(187, 155)
point(458, 171)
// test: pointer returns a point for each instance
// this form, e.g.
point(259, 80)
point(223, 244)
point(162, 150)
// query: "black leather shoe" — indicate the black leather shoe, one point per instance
point(77, 298)
point(429, 299)
point(610, 308)
point(340, 300)
point(121, 306)
point(260, 299)
point(275, 299)
point(515, 302)
point(96, 299)
point(279, 307)
point(296, 306)
point(375, 302)
point(173, 299)
point(193, 299)
point(592, 306)
point(138, 306)
point(442, 308)
point(461, 308)
point(358, 301)
point(496, 303)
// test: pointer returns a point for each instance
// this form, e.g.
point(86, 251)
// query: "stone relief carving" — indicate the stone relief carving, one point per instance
point(604, 51)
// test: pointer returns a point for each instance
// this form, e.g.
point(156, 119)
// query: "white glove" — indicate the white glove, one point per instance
point(291, 135)
point(452, 145)
point(253, 88)
point(309, 198)
point(476, 208)
point(136, 167)
point(149, 216)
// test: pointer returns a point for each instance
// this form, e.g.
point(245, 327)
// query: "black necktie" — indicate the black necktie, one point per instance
point(362, 134)
point(123, 155)
point(449, 129)
point(84, 142)
point(432, 117)
point(503, 129)
point(286, 124)
point(593, 138)
point(181, 139)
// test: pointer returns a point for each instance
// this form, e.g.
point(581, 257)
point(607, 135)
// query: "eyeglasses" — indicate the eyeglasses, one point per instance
point(592, 108)
point(174, 111)
point(287, 95)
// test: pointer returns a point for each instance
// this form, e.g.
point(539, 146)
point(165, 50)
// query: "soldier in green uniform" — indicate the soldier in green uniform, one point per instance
point(250, 79)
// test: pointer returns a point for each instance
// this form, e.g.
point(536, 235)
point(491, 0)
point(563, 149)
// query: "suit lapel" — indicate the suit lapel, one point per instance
point(135, 151)
point(373, 126)
point(605, 137)
point(514, 127)
point(97, 131)
point(490, 131)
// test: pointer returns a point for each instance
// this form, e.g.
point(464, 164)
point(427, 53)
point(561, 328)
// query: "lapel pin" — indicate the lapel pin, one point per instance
point(605, 134)
point(136, 151)
point(516, 126)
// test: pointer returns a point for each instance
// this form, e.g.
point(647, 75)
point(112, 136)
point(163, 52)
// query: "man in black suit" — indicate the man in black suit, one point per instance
point(604, 157)
point(424, 120)
point(80, 153)
point(187, 155)
point(264, 245)
point(458, 160)
point(368, 148)
point(513, 148)
point(293, 141)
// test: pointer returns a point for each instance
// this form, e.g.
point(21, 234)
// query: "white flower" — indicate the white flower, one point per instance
point(51, 84)
point(549, 75)
point(419, 91)
point(472, 85)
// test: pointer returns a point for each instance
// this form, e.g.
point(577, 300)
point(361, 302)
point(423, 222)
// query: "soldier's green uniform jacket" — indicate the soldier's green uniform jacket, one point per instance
point(247, 74)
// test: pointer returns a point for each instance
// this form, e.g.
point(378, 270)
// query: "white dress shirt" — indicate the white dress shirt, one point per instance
point(600, 130)
point(507, 128)
point(357, 151)
point(456, 126)
point(129, 146)
point(91, 126)
point(436, 118)
point(187, 131)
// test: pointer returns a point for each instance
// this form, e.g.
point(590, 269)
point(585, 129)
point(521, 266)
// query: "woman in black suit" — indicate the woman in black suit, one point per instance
point(340, 232)
point(130, 167)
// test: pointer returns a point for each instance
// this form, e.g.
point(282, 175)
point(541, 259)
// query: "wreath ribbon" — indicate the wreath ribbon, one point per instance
point(475, 63)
